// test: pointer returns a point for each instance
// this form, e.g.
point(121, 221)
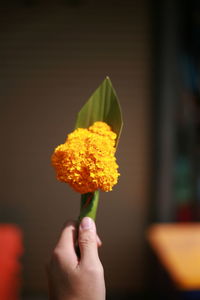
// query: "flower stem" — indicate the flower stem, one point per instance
point(89, 204)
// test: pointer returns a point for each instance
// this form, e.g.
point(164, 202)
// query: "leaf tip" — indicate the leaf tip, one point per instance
point(108, 81)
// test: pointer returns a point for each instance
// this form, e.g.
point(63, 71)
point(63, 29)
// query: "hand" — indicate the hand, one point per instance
point(71, 277)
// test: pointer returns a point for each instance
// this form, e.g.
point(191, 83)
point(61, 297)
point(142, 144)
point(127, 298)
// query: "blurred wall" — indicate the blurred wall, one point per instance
point(53, 55)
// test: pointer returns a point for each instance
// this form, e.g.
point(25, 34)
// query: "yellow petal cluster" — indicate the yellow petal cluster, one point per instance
point(86, 161)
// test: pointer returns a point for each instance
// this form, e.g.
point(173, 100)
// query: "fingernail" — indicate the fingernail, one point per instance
point(87, 223)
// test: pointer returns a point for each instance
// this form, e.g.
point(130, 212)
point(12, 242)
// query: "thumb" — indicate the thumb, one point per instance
point(88, 241)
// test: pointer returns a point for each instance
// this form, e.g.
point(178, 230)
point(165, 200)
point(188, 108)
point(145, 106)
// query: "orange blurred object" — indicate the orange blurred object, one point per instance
point(178, 248)
point(10, 269)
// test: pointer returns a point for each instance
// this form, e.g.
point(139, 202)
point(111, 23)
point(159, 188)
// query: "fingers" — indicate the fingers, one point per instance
point(88, 241)
point(65, 248)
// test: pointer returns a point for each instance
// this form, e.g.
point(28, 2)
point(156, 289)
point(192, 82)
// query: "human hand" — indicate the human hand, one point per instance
point(71, 277)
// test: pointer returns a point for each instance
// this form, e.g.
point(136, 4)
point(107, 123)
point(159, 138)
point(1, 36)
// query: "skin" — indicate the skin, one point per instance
point(72, 276)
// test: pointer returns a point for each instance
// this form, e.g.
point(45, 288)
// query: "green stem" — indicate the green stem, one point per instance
point(89, 204)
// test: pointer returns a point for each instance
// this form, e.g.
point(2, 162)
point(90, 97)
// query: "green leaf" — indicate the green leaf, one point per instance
point(104, 106)
point(89, 204)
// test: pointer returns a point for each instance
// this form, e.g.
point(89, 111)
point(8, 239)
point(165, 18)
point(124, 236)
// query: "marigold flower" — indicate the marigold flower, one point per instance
point(86, 161)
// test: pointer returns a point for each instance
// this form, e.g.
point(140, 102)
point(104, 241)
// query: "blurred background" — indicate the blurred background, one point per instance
point(53, 55)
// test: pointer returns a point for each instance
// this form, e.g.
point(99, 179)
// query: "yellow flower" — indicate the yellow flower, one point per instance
point(86, 161)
